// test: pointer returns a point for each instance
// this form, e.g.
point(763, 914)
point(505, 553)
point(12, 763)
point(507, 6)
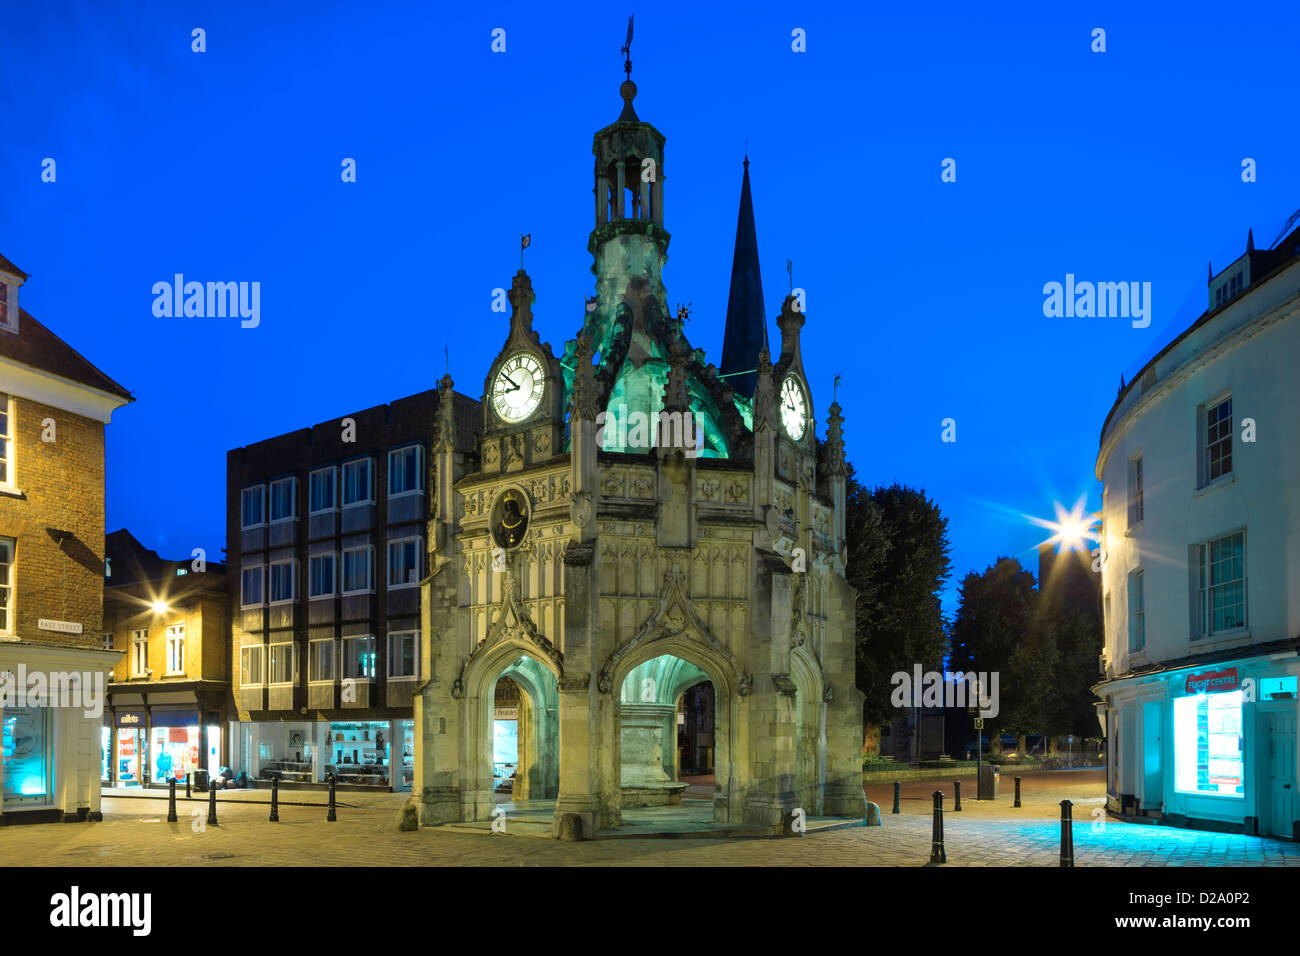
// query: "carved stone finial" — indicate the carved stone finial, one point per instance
point(835, 442)
point(676, 398)
point(584, 382)
point(521, 298)
point(764, 393)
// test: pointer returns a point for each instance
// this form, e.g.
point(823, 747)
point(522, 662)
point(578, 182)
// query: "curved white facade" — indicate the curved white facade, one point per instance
point(1200, 460)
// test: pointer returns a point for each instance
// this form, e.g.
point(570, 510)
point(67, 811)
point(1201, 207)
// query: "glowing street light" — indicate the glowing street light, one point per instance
point(1072, 528)
point(159, 607)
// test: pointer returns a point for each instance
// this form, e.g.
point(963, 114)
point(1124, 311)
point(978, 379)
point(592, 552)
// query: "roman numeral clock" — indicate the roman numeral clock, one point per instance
point(523, 395)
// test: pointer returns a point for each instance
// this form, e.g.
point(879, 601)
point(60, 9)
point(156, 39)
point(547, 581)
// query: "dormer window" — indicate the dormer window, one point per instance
point(8, 306)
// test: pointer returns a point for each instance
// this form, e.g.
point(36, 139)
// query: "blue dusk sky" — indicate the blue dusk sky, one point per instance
point(926, 296)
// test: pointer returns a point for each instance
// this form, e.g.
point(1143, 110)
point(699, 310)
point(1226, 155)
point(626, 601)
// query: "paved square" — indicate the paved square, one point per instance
point(986, 833)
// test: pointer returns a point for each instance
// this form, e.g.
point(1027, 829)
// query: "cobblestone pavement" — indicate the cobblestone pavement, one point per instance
point(983, 834)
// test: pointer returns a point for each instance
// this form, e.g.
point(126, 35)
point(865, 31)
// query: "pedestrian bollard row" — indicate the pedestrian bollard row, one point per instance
point(1067, 834)
point(212, 805)
point(897, 786)
point(171, 802)
point(275, 800)
point(187, 787)
point(1017, 803)
point(956, 800)
point(937, 854)
point(332, 816)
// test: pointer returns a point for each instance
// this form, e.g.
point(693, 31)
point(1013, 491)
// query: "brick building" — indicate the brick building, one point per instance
point(169, 695)
point(326, 550)
point(53, 408)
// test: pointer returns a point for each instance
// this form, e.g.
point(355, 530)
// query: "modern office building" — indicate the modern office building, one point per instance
point(54, 405)
point(1201, 570)
point(169, 695)
point(326, 551)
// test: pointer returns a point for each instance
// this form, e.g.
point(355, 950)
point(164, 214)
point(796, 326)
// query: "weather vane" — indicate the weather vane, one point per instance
point(627, 50)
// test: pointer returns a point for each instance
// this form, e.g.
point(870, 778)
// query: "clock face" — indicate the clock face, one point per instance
point(518, 387)
point(794, 408)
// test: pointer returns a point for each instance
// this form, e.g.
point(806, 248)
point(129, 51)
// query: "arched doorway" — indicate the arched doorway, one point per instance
point(530, 698)
point(657, 698)
point(525, 703)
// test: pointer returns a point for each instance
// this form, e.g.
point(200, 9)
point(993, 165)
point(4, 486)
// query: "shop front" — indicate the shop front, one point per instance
point(27, 771)
point(1212, 747)
point(129, 751)
point(176, 746)
point(362, 753)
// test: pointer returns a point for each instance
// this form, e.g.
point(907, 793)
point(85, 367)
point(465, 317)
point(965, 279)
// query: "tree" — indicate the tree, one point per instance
point(898, 561)
point(1000, 628)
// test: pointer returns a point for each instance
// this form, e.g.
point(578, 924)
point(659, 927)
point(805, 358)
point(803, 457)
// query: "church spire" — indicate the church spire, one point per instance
point(746, 329)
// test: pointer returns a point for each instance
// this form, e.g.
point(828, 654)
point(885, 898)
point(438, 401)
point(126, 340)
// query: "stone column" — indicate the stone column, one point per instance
point(620, 196)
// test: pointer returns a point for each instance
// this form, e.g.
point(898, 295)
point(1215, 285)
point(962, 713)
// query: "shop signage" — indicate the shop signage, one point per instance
point(506, 713)
point(63, 627)
point(1212, 682)
point(129, 718)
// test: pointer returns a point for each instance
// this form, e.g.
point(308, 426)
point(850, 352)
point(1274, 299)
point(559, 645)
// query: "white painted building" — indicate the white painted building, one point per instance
point(1200, 458)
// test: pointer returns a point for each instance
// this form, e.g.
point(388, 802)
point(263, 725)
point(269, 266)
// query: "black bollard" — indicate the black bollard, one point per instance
point(275, 800)
point(956, 800)
point(332, 816)
point(212, 805)
point(187, 786)
point(171, 801)
point(897, 785)
point(937, 854)
point(1067, 835)
point(1017, 803)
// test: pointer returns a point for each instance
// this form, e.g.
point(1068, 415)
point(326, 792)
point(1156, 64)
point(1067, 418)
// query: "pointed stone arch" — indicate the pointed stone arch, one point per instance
point(511, 625)
point(674, 623)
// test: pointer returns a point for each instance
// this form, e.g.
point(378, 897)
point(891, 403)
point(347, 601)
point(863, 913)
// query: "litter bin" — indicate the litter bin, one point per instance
point(988, 782)
point(201, 781)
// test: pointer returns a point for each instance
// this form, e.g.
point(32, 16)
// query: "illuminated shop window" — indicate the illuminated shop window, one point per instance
point(1209, 746)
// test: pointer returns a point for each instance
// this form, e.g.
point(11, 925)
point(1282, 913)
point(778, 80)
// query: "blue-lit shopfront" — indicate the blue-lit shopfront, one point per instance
point(1212, 747)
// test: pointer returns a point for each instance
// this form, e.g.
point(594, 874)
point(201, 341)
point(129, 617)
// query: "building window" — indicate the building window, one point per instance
point(176, 649)
point(252, 663)
point(404, 470)
point(403, 654)
point(321, 664)
point(1209, 745)
point(1136, 505)
point(251, 582)
point(1217, 441)
point(359, 657)
point(7, 430)
point(320, 569)
point(106, 641)
point(1222, 591)
point(253, 506)
point(1137, 624)
point(284, 499)
point(404, 563)
point(140, 653)
point(8, 307)
point(358, 482)
point(7, 546)
point(282, 663)
point(358, 573)
point(282, 581)
point(321, 490)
